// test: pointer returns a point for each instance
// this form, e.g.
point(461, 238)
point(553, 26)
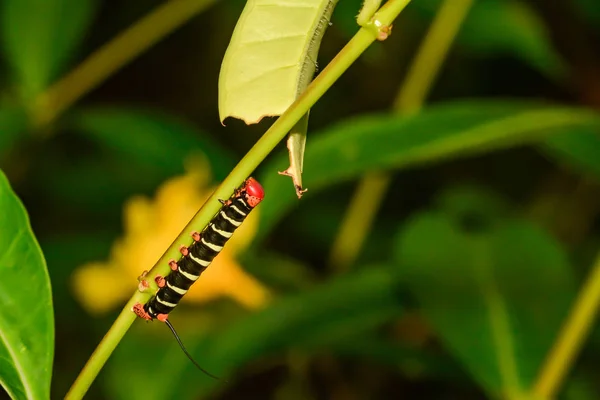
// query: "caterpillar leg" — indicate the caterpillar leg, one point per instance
point(225, 202)
point(184, 250)
point(173, 265)
point(143, 284)
point(162, 317)
point(160, 281)
point(235, 194)
point(196, 236)
point(138, 309)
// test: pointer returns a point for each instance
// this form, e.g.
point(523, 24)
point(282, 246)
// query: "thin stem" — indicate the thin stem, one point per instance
point(571, 337)
point(369, 8)
point(112, 56)
point(498, 318)
point(353, 49)
point(428, 61)
point(361, 212)
point(411, 95)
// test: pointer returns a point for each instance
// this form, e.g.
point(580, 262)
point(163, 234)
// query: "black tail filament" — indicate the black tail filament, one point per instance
point(186, 352)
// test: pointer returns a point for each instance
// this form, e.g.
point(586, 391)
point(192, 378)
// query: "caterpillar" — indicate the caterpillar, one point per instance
point(199, 255)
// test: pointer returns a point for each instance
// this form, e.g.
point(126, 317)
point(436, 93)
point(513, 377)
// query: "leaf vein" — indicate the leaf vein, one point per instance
point(18, 365)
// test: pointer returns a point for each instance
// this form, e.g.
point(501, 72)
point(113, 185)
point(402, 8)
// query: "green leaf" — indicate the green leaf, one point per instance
point(512, 27)
point(386, 141)
point(506, 27)
point(150, 138)
point(579, 149)
point(300, 319)
point(39, 36)
point(26, 321)
point(477, 209)
point(495, 298)
point(271, 57)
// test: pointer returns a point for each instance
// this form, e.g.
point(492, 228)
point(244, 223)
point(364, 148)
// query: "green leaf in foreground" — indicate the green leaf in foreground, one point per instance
point(496, 299)
point(26, 320)
point(386, 141)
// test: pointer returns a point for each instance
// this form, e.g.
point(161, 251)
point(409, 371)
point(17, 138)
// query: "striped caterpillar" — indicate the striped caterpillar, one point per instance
point(198, 256)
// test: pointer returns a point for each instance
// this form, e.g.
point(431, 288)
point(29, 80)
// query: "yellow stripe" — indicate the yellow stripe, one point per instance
point(166, 303)
point(176, 289)
point(232, 221)
point(211, 246)
point(200, 261)
point(237, 210)
point(191, 277)
point(225, 234)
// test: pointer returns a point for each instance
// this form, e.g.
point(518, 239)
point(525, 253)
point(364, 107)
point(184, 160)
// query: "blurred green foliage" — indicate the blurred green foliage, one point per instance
point(497, 311)
point(39, 37)
point(488, 230)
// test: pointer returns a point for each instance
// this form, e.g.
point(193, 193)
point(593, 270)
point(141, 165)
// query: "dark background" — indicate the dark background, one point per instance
point(74, 187)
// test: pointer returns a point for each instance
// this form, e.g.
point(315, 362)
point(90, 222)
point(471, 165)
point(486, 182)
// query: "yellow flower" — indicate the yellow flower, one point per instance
point(150, 227)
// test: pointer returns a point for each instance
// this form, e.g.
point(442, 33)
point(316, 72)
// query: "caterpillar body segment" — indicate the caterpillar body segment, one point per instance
point(199, 255)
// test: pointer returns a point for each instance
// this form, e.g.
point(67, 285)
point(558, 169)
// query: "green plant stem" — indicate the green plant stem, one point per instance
point(360, 213)
point(431, 56)
point(353, 49)
point(498, 319)
point(571, 337)
point(112, 56)
point(369, 8)
point(411, 95)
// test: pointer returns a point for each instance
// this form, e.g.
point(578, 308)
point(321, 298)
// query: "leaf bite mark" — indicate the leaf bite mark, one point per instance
point(270, 35)
point(258, 81)
point(252, 66)
point(248, 121)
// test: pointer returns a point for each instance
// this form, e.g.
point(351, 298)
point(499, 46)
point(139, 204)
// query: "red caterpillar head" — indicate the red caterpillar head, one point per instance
point(254, 192)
